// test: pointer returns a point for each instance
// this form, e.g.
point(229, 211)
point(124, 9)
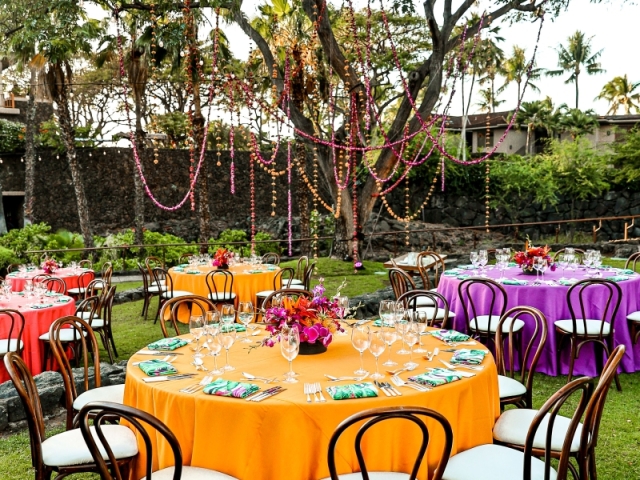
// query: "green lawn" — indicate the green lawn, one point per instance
point(618, 443)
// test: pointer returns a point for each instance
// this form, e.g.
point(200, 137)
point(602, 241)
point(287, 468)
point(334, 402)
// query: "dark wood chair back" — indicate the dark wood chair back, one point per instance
point(285, 292)
point(271, 258)
point(153, 262)
point(632, 262)
point(306, 275)
point(55, 285)
point(169, 311)
point(184, 258)
point(283, 277)
point(41, 277)
point(401, 282)
point(106, 272)
point(12, 267)
point(413, 415)
point(87, 354)
point(426, 262)
point(609, 296)
point(471, 307)
point(548, 413)
point(528, 360)
point(90, 307)
point(84, 279)
point(303, 263)
point(226, 279)
point(102, 413)
point(14, 323)
point(147, 277)
point(162, 277)
point(85, 264)
point(410, 301)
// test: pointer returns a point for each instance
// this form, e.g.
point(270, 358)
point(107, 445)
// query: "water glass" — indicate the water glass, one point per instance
point(227, 337)
point(473, 257)
point(483, 259)
point(228, 314)
point(215, 347)
point(401, 327)
point(360, 339)
point(390, 336)
point(245, 314)
point(377, 345)
point(563, 262)
point(421, 319)
point(387, 312)
point(289, 347)
point(411, 336)
point(342, 302)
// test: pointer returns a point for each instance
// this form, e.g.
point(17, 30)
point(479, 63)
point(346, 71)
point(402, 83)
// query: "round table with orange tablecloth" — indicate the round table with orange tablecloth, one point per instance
point(247, 280)
point(286, 438)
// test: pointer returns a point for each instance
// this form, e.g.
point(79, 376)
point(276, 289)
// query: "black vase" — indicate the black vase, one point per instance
point(311, 348)
point(223, 267)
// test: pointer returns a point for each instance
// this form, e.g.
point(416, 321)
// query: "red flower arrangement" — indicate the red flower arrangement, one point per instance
point(222, 257)
point(525, 259)
point(49, 266)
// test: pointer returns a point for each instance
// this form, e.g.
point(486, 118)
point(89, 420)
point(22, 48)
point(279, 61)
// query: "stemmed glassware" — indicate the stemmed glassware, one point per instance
point(502, 262)
point(360, 339)
point(537, 266)
point(483, 259)
point(227, 337)
point(421, 319)
point(245, 314)
point(377, 344)
point(390, 336)
point(228, 314)
point(197, 329)
point(387, 312)
point(563, 262)
point(401, 325)
point(411, 335)
point(474, 258)
point(342, 302)
point(289, 347)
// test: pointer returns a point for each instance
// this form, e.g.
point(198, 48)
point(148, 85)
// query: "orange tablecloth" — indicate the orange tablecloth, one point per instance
point(37, 322)
point(69, 277)
point(245, 284)
point(286, 438)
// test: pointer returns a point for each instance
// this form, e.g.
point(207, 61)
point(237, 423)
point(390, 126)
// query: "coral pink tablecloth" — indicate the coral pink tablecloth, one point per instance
point(37, 322)
point(69, 276)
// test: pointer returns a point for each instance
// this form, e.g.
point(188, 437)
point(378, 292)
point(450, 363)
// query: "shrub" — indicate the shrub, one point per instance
point(11, 136)
point(234, 236)
point(31, 237)
point(7, 257)
point(262, 248)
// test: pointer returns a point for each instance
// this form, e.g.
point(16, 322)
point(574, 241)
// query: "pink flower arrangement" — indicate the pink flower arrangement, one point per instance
point(49, 266)
point(222, 257)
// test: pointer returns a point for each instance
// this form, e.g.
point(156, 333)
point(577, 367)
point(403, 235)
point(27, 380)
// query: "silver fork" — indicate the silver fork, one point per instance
point(416, 386)
point(314, 391)
point(319, 390)
point(307, 392)
point(197, 386)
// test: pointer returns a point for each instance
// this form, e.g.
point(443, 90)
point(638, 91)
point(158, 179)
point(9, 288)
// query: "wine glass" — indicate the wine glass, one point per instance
point(342, 303)
point(542, 266)
point(215, 347)
point(411, 335)
point(289, 347)
point(360, 339)
point(196, 328)
point(245, 314)
point(473, 256)
point(212, 317)
point(387, 312)
point(228, 314)
point(390, 336)
point(227, 337)
point(483, 259)
point(421, 319)
point(400, 324)
point(537, 266)
point(377, 344)
point(563, 262)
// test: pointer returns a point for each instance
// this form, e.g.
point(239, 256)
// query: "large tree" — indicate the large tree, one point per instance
point(621, 93)
point(516, 70)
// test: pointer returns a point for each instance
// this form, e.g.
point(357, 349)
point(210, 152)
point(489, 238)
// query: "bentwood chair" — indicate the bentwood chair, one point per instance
point(170, 309)
point(184, 258)
point(41, 277)
point(491, 461)
point(511, 428)
point(410, 415)
point(78, 395)
point(632, 262)
point(13, 323)
point(85, 264)
point(106, 273)
point(482, 322)
point(401, 283)
point(582, 329)
point(55, 285)
point(303, 263)
point(220, 285)
point(430, 262)
point(149, 290)
point(437, 316)
point(271, 258)
point(162, 278)
point(282, 279)
point(579, 253)
point(83, 280)
point(633, 319)
point(306, 278)
point(518, 391)
point(65, 453)
point(102, 323)
point(150, 430)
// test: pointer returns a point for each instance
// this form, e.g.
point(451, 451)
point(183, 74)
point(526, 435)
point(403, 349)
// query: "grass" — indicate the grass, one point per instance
point(619, 438)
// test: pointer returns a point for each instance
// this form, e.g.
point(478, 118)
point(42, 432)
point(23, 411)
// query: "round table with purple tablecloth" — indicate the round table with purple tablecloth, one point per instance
point(551, 299)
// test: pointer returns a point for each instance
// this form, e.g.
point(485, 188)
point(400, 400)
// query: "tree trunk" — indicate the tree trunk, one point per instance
point(30, 151)
point(3, 221)
point(57, 80)
point(577, 90)
point(138, 188)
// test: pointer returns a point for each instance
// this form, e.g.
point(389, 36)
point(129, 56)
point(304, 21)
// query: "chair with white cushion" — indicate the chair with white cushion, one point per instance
point(196, 304)
point(498, 462)
point(271, 258)
point(430, 261)
point(55, 285)
point(484, 302)
point(83, 280)
point(78, 395)
point(512, 426)
point(306, 278)
point(162, 278)
point(13, 324)
point(64, 453)
point(412, 415)
point(436, 315)
point(518, 391)
point(149, 290)
point(220, 285)
point(633, 319)
point(150, 429)
point(303, 263)
point(597, 329)
point(282, 279)
point(401, 283)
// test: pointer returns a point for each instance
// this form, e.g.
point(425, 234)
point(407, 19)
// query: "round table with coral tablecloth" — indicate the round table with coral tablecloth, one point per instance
point(247, 280)
point(68, 275)
point(37, 322)
point(286, 438)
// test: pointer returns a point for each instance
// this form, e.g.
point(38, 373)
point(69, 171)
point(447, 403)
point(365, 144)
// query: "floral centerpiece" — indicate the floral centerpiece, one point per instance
point(49, 266)
point(317, 319)
point(221, 258)
point(526, 258)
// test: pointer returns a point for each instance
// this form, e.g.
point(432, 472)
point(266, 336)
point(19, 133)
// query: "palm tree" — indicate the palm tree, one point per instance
point(488, 102)
point(490, 60)
point(534, 115)
point(619, 93)
point(574, 57)
point(515, 68)
point(578, 123)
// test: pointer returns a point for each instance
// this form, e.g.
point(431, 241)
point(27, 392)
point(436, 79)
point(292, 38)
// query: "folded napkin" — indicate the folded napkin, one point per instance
point(463, 277)
point(39, 306)
point(238, 327)
point(167, 344)
point(193, 272)
point(625, 271)
point(436, 377)
point(178, 269)
point(13, 275)
point(451, 273)
point(156, 368)
point(354, 390)
point(63, 299)
point(229, 388)
point(618, 278)
point(467, 356)
point(19, 293)
point(255, 271)
point(450, 336)
point(508, 281)
point(466, 267)
point(182, 265)
point(378, 323)
point(512, 264)
point(52, 294)
point(568, 282)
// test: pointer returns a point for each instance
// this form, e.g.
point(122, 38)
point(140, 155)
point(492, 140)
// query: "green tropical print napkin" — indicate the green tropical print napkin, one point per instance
point(354, 390)
point(618, 278)
point(39, 306)
point(238, 327)
point(63, 300)
point(625, 271)
point(229, 388)
point(182, 265)
point(450, 336)
point(508, 281)
point(466, 267)
point(436, 377)
point(568, 283)
point(52, 294)
point(466, 356)
point(451, 273)
point(463, 276)
point(512, 264)
point(156, 368)
point(378, 323)
point(167, 344)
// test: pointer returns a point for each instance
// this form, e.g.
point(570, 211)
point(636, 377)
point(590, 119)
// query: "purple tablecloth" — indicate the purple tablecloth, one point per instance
point(552, 301)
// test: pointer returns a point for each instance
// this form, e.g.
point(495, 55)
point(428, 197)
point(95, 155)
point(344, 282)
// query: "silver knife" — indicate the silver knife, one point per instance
point(169, 377)
point(265, 394)
point(272, 394)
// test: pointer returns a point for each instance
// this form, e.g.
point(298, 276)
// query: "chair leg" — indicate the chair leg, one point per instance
point(145, 306)
point(105, 344)
point(113, 343)
point(45, 358)
point(607, 349)
point(160, 302)
point(574, 354)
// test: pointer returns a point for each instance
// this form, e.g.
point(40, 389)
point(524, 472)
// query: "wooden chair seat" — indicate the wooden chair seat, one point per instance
point(483, 323)
point(593, 327)
point(509, 387)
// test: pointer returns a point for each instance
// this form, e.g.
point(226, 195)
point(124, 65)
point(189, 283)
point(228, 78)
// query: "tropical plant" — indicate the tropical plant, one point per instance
point(626, 159)
point(488, 102)
point(514, 70)
point(490, 64)
point(30, 237)
point(535, 115)
point(619, 92)
point(574, 57)
point(11, 136)
point(578, 123)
